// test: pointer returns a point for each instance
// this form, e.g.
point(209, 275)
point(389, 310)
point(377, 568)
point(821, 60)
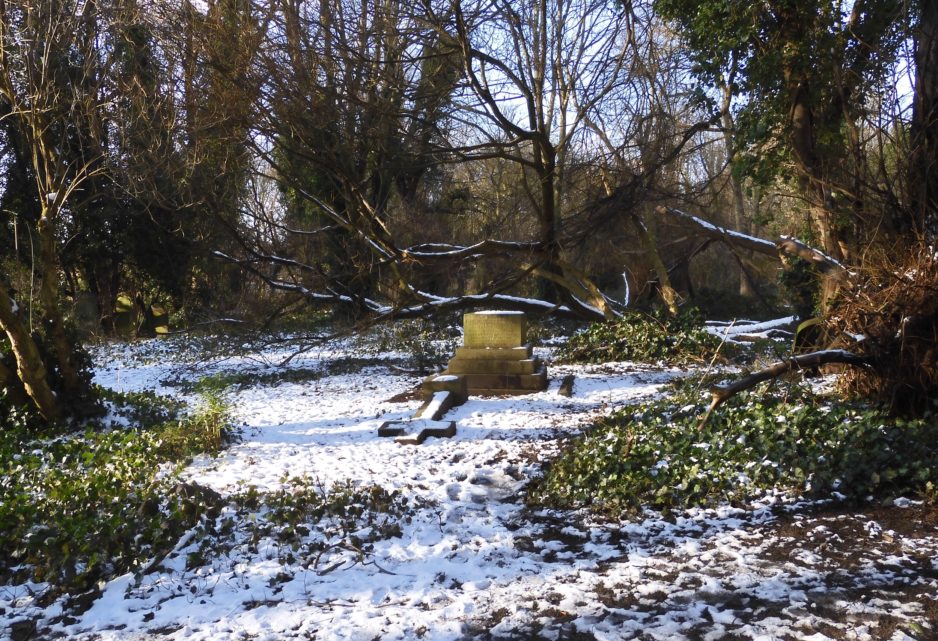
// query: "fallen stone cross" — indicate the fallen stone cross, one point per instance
point(493, 360)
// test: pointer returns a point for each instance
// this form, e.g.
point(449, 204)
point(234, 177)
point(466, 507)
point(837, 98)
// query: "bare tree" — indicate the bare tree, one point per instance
point(50, 82)
point(369, 110)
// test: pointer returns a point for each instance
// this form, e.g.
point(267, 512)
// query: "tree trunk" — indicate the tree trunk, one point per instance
point(11, 383)
point(923, 182)
point(29, 366)
point(49, 295)
point(746, 288)
point(649, 246)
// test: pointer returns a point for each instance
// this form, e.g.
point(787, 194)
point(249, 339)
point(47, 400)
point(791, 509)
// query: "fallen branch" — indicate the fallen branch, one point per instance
point(735, 238)
point(360, 558)
point(420, 304)
point(824, 263)
point(784, 245)
point(722, 393)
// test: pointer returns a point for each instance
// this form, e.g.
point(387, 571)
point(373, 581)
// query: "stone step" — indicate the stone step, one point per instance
point(504, 391)
point(490, 366)
point(495, 353)
point(488, 384)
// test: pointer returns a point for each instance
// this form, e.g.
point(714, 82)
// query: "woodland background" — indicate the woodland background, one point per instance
point(285, 160)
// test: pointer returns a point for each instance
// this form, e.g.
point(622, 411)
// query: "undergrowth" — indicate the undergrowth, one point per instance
point(303, 523)
point(790, 440)
point(894, 306)
point(244, 379)
point(647, 338)
point(424, 344)
point(76, 508)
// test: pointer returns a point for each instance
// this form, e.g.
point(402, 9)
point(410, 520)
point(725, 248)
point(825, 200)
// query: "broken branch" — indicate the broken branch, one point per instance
point(722, 393)
point(784, 245)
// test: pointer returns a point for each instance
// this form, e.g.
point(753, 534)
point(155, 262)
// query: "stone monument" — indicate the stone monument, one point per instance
point(493, 360)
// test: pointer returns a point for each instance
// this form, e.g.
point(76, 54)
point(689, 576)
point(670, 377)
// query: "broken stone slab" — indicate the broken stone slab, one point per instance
point(456, 385)
point(414, 431)
point(439, 404)
point(493, 329)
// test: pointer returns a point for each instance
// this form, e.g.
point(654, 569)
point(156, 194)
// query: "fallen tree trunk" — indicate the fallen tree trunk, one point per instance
point(722, 393)
point(785, 245)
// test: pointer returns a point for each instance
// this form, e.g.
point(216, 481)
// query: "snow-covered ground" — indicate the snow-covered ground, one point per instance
point(471, 560)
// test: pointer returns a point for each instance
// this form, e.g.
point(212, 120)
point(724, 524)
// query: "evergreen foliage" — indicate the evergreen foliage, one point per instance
point(787, 440)
point(82, 507)
point(645, 338)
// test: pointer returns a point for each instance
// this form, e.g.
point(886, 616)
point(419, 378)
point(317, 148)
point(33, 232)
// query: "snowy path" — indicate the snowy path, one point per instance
point(472, 562)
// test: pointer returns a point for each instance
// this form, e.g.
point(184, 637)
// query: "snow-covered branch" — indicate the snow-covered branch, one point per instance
point(784, 245)
point(420, 304)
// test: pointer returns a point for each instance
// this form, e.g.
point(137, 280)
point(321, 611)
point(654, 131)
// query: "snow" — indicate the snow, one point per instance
point(436, 403)
point(749, 327)
point(471, 559)
point(752, 240)
point(498, 312)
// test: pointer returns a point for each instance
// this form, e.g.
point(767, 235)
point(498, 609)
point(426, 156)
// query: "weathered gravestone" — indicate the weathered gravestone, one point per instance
point(125, 316)
point(493, 360)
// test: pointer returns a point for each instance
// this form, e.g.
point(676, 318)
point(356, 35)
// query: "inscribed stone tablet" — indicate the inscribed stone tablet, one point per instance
point(493, 329)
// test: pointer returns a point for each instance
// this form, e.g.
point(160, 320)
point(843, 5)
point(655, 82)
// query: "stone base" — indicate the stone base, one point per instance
point(494, 353)
point(445, 382)
point(491, 366)
point(494, 384)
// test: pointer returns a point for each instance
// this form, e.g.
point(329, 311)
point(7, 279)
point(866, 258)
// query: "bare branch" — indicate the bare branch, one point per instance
point(722, 393)
point(784, 245)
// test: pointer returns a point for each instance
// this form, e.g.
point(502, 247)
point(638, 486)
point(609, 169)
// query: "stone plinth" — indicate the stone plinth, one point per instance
point(496, 353)
point(446, 382)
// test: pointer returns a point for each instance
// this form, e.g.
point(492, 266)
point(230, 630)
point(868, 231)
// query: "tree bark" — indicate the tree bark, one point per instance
point(923, 175)
point(746, 287)
point(49, 296)
point(650, 247)
point(29, 366)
